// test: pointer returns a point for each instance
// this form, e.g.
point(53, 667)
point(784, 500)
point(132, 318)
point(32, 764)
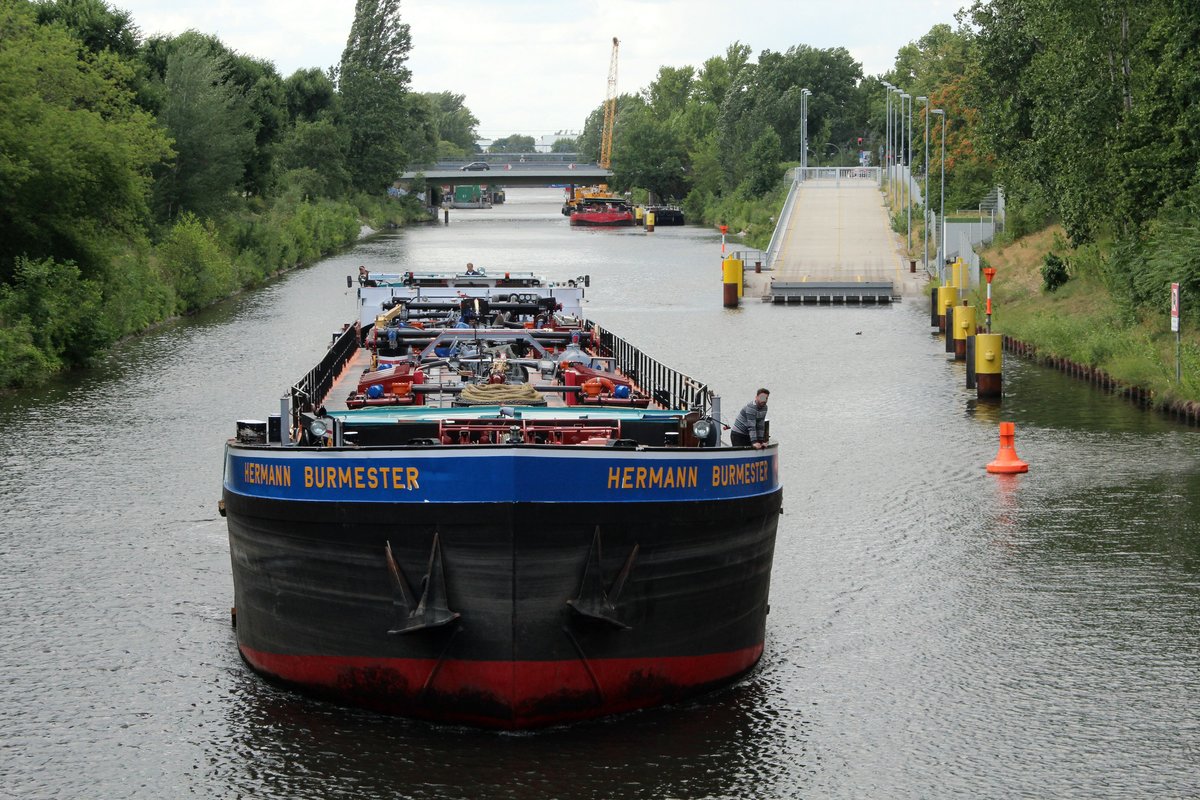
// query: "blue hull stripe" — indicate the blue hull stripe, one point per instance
point(499, 475)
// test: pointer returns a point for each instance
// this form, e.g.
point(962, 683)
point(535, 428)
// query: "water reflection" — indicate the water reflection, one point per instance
point(730, 744)
point(935, 631)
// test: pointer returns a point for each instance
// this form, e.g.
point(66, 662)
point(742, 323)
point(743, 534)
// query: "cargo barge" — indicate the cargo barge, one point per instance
point(482, 508)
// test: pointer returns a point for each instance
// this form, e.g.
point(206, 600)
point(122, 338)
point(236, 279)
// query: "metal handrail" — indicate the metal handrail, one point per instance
point(668, 387)
point(309, 392)
point(781, 224)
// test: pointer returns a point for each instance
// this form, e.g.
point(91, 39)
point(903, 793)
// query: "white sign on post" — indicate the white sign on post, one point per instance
point(1175, 307)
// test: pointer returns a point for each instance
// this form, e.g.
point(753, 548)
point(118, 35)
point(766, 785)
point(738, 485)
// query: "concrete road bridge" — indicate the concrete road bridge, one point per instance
point(833, 243)
point(513, 172)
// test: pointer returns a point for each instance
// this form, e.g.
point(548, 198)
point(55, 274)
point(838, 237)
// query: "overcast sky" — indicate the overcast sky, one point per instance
point(540, 66)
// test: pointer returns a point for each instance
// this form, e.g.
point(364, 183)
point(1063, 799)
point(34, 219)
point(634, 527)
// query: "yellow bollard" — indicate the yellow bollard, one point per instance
point(649, 220)
point(731, 269)
point(964, 326)
point(731, 273)
point(945, 300)
point(989, 364)
point(960, 275)
point(637, 214)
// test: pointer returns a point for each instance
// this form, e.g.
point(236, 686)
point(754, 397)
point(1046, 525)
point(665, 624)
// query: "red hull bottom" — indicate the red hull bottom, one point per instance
point(505, 694)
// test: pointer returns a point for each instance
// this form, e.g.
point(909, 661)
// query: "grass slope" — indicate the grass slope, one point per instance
point(1084, 322)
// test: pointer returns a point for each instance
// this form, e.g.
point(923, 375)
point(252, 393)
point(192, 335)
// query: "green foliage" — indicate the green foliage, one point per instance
point(1144, 269)
point(1024, 218)
point(453, 121)
point(319, 147)
point(266, 102)
point(772, 99)
point(649, 156)
point(75, 153)
point(373, 81)
point(671, 91)
point(512, 144)
point(212, 130)
point(194, 264)
point(589, 140)
point(566, 144)
point(762, 164)
point(309, 95)
point(260, 182)
point(419, 134)
point(293, 231)
point(750, 219)
point(97, 26)
point(46, 319)
point(135, 294)
point(1054, 272)
point(1090, 106)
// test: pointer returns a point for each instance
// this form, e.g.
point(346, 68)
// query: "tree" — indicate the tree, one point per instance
point(212, 130)
point(99, 27)
point(309, 94)
point(75, 151)
point(767, 95)
point(419, 133)
point(319, 146)
point(266, 101)
point(512, 144)
point(763, 171)
point(566, 144)
point(671, 90)
point(373, 81)
point(648, 155)
point(453, 121)
point(589, 140)
point(1089, 105)
point(719, 72)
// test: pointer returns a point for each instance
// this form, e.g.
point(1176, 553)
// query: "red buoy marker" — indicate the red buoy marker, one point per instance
point(1006, 462)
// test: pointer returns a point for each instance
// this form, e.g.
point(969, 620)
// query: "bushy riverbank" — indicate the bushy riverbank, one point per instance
point(53, 318)
point(1086, 321)
point(751, 220)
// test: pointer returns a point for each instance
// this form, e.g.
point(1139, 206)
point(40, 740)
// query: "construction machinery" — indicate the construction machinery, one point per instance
point(610, 110)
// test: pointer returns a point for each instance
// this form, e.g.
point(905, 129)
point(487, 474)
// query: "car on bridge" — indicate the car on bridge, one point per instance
point(475, 165)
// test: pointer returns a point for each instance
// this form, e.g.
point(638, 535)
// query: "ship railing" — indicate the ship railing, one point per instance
point(309, 392)
point(668, 387)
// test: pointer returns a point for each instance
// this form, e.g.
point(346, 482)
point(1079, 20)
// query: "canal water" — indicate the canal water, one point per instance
point(935, 631)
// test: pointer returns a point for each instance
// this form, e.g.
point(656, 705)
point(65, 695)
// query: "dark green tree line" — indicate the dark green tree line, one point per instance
point(147, 177)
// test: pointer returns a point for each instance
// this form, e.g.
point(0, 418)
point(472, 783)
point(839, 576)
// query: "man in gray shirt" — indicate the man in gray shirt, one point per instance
point(750, 427)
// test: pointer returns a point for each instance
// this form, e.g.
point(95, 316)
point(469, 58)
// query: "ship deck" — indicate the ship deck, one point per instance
point(347, 382)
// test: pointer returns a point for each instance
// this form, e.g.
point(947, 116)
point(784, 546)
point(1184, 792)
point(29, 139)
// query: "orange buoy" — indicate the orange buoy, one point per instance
point(1006, 462)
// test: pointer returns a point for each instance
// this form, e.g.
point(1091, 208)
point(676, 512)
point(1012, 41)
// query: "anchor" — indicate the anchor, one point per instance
point(432, 610)
point(593, 602)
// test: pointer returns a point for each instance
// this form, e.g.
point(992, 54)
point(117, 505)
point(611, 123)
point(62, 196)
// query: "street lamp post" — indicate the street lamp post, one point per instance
point(887, 138)
point(804, 95)
point(896, 133)
point(942, 250)
point(925, 199)
point(802, 110)
point(908, 172)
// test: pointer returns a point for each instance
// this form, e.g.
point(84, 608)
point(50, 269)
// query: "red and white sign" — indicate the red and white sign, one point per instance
point(1175, 307)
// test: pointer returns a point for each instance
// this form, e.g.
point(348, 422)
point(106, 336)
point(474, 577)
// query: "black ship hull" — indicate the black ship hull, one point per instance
point(507, 614)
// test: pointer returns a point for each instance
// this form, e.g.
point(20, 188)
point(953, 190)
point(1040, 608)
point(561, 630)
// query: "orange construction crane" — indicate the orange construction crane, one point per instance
point(610, 110)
